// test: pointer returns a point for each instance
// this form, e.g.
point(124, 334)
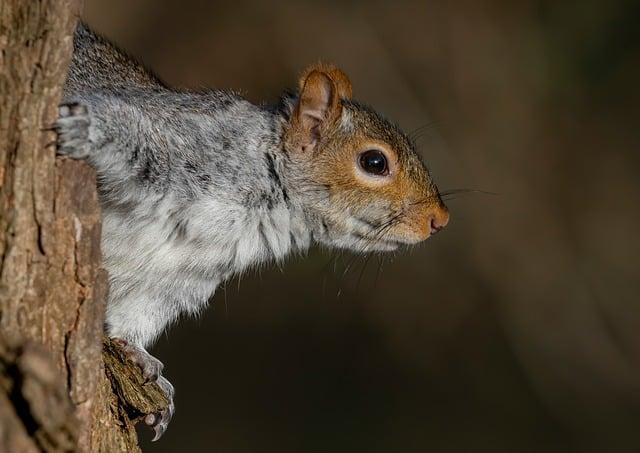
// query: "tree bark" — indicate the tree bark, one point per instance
point(58, 392)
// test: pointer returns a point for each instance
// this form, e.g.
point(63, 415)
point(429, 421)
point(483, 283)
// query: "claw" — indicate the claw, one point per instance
point(152, 372)
point(160, 421)
point(159, 431)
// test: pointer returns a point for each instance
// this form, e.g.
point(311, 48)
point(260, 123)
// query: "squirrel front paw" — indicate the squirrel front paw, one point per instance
point(72, 127)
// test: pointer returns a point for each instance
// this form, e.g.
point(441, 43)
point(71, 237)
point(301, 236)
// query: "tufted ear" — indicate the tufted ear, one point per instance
point(319, 107)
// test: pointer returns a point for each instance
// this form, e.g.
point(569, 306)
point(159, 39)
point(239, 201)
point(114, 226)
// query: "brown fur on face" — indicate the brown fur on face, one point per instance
point(328, 132)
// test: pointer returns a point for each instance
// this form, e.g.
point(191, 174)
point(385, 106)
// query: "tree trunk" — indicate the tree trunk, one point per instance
point(58, 392)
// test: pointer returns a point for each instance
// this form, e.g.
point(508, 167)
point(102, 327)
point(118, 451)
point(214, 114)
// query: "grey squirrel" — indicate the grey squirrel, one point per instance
point(196, 187)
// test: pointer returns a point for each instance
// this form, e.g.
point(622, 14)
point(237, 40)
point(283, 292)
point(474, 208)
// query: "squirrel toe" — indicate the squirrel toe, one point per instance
point(72, 127)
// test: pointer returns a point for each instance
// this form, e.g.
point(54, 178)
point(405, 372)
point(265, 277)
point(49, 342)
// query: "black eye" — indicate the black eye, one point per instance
point(374, 162)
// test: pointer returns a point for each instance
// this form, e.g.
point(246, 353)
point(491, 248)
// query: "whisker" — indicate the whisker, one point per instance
point(349, 264)
point(447, 195)
point(370, 240)
point(379, 271)
point(461, 191)
point(421, 130)
point(363, 247)
point(364, 266)
point(325, 271)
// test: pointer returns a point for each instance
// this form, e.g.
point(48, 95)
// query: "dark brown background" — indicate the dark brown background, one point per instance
point(516, 329)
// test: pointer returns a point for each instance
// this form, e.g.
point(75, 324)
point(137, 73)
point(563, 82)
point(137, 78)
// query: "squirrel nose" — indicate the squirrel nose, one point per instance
point(438, 219)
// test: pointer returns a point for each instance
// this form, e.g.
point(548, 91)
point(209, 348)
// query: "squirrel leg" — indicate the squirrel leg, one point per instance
point(152, 371)
point(121, 141)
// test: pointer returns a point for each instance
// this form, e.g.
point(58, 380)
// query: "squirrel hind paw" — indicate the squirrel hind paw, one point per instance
point(72, 127)
point(151, 369)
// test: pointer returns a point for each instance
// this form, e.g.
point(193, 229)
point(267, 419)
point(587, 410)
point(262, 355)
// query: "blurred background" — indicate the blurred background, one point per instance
point(515, 329)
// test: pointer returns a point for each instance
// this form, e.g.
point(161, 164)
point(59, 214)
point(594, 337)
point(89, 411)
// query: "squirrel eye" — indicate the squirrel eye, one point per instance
point(374, 162)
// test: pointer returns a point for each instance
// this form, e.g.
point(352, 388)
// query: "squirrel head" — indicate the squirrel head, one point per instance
point(363, 181)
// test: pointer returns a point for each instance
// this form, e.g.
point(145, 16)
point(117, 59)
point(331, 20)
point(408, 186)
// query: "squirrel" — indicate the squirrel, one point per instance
point(198, 186)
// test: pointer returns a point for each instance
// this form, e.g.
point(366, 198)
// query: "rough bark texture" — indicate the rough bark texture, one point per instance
point(56, 394)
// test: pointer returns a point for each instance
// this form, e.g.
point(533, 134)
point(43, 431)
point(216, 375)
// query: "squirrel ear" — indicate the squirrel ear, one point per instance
point(340, 80)
point(321, 88)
